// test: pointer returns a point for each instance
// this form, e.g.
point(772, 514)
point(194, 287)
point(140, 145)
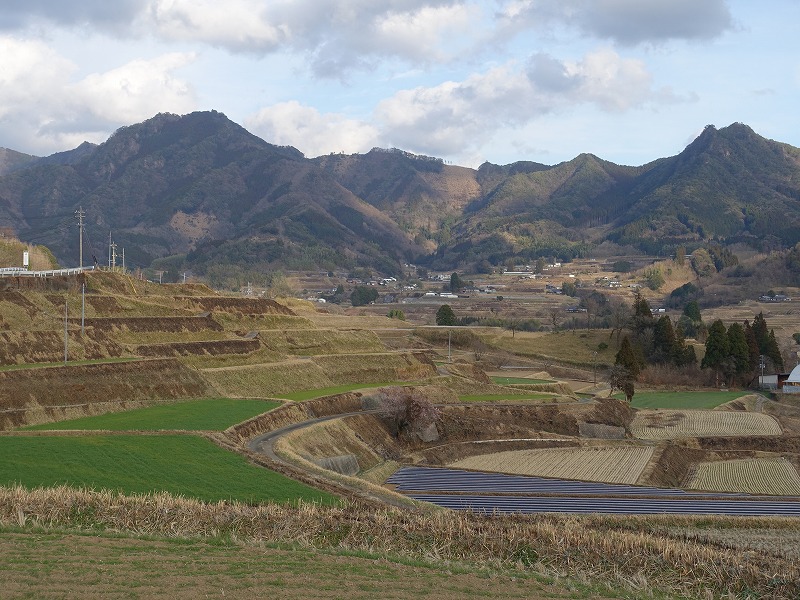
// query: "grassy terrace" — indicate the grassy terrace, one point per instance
point(183, 465)
point(681, 400)
point(337, 389)
point(212, 414)
point(519, 380)
point(503, 397)
point(69, 363)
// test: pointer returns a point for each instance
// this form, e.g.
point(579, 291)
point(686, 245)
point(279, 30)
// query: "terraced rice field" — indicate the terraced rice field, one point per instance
point(674, 424)
point(750, 475)
point(618, 464)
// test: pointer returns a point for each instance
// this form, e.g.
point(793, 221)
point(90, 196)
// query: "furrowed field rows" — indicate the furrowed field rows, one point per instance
point(751, 475)
point(671, 424)
point(622, 464)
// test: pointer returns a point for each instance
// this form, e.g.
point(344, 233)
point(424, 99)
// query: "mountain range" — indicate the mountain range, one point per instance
point(199, 192)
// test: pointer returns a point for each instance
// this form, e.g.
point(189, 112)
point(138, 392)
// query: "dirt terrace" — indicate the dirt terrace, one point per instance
point(245, 306)
point(43, 395)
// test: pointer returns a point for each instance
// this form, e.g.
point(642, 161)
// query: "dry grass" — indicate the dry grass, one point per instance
point(567, 347)
point(27, 396)
point(309, 342)
point(331, 439)
point(751, 475)
point(617, 549)
point(267, 380)
point(611, 464)
point(378, 367)
point(676, 424)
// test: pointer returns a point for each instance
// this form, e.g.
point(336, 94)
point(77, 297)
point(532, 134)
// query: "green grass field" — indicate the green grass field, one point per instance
point(183, 465)
point(502, 397)
point(678, 400)
point(213, 414)
point(518, 380)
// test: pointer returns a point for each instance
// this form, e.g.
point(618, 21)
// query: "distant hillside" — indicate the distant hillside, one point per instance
point(11, 160)
point(200, 193)
point(200, 186)
point(729, 184)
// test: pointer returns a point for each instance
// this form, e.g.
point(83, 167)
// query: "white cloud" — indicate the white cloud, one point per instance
point(29, 72)
point(238, 25)
point(337, 35)
point(136, 91)
point(311, 132)
point(43, 109)
point(454, 117)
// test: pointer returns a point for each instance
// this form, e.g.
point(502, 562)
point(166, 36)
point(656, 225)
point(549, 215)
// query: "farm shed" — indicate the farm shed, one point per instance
point(792, 384)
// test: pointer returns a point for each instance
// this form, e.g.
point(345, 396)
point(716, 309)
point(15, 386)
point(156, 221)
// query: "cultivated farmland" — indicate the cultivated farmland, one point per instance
point(751, 475)
point(675, 424)
point(612, 464)
point(212, 414)
point(184, 465)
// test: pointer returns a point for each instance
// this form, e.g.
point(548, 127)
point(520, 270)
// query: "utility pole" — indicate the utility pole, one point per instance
point(449, 354)
point(65, 331)
point(83, 307)
point(80, 214)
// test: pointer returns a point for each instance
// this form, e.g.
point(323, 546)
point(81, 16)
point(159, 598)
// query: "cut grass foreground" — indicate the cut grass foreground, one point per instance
point(183, 465)
point(56, 564)
point(212, 414)
point(679, 400)
point(607, 550)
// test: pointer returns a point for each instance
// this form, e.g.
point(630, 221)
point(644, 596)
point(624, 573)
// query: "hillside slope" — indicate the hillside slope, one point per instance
point(203, 193)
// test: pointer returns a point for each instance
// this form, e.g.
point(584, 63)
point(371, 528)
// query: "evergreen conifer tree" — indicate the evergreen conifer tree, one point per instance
point(627, 357)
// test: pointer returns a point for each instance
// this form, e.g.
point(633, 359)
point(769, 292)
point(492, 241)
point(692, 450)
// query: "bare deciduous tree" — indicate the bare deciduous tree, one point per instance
point(406, 408)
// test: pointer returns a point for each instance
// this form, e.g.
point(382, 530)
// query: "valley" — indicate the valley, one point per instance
point(355, 398)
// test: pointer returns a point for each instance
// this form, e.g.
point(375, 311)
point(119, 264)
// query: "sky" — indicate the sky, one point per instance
point(467, 81)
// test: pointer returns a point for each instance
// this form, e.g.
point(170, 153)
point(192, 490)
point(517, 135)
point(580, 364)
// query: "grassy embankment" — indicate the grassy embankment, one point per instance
point(682, 400)
point(212, 414)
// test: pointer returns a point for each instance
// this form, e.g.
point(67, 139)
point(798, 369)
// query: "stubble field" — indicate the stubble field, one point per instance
point(620, 464)
point(676, 424)
point(751, 475)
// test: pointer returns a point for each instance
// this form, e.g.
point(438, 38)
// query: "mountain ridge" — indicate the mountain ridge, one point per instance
point(202, 192)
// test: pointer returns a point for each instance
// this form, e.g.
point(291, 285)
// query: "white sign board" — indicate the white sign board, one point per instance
point(26, 261)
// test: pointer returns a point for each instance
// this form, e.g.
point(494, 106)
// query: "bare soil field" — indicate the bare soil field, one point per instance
point(675, 424)
point(751, 476)
point(611, 464)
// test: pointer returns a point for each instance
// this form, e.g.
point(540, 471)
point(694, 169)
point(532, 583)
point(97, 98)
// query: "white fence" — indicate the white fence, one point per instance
point(21, 272)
